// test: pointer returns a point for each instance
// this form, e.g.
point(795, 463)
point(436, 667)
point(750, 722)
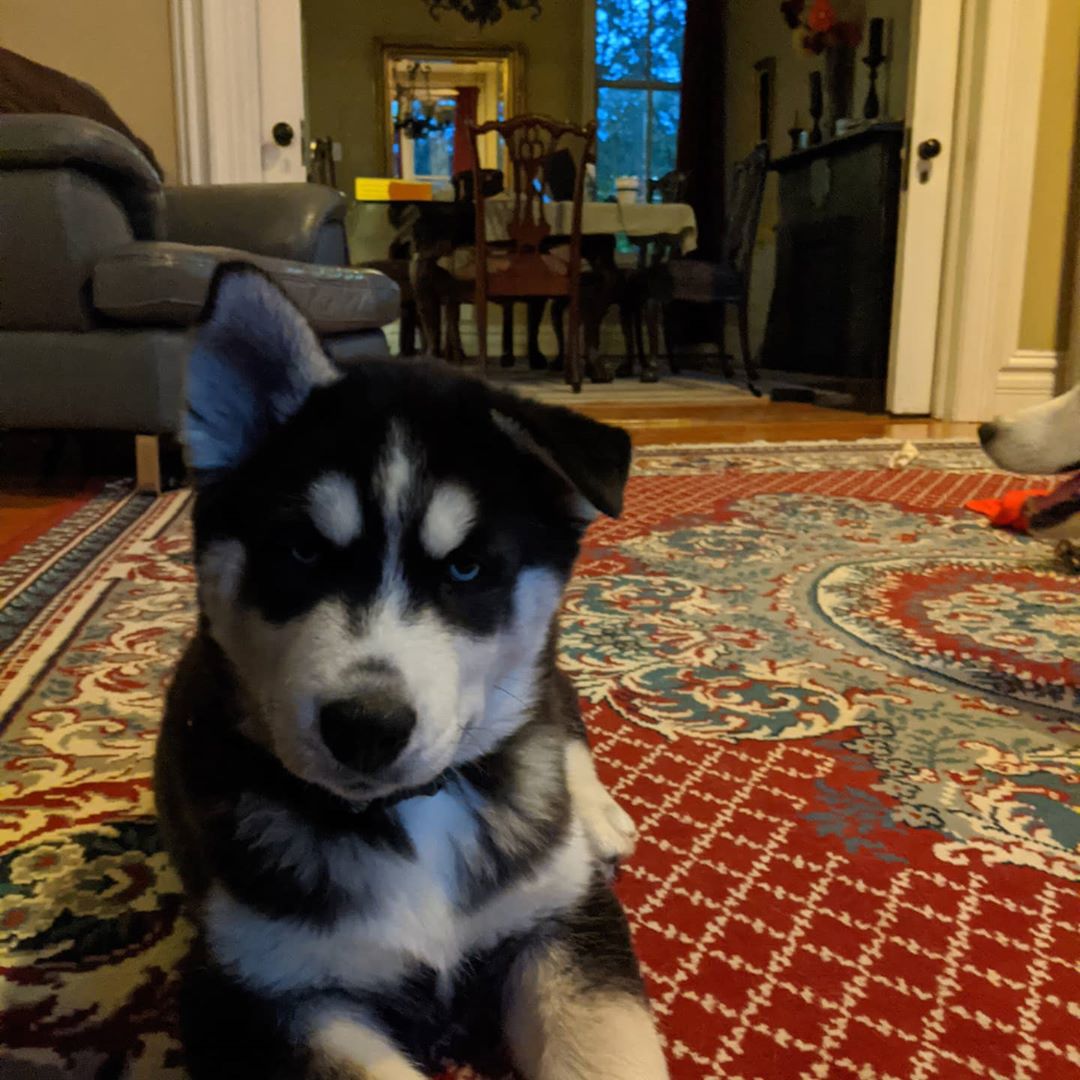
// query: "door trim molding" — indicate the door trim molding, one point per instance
point(990, 214)
point(189, 91)
point(216, 86)
point(933, 83)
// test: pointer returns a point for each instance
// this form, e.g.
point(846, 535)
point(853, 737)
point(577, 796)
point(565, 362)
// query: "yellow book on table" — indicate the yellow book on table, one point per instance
point(382, 189)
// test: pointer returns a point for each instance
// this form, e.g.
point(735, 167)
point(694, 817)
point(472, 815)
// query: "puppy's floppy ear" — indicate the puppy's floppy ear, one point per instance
point(254, 363)
point(593, 457)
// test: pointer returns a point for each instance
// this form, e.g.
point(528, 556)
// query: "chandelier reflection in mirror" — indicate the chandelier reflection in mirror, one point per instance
point(418, 111)
point(484, 12)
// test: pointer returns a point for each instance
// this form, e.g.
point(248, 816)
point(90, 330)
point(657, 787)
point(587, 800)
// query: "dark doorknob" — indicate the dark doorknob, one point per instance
point(283, 133)
point(929, 148)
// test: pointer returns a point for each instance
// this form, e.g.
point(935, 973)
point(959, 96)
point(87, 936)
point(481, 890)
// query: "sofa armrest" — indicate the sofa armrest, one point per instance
point(167, 284)
point(51, 141)
point(302, 222)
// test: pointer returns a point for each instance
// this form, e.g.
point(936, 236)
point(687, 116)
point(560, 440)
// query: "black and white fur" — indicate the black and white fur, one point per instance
point(372, 776)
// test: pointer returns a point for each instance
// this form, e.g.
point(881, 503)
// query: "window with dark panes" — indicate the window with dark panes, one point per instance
point(638, 78)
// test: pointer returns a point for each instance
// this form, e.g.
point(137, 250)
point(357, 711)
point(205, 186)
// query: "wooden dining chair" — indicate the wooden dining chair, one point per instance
point(494, 184)
point(526, 267)
point(632, 285)
point(718, 284)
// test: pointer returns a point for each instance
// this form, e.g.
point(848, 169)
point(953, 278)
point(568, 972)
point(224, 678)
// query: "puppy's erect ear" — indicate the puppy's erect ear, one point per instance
point(593, 458)
point(254, 363)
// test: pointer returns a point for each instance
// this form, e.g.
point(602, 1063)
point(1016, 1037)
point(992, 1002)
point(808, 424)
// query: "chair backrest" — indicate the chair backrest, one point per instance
point(744, 208)
point(671, 187)
point(538, 150)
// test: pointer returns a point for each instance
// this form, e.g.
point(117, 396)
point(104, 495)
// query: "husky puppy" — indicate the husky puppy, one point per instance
point(372, 776)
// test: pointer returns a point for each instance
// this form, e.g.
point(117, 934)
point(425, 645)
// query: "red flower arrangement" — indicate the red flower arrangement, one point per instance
point(819, 28)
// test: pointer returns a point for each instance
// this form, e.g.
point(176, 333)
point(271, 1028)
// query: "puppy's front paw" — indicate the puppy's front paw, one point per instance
point(610, 829)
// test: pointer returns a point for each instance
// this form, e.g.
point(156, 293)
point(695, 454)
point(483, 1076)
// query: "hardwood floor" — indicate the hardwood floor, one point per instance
point(750, 420)
point(28, 508)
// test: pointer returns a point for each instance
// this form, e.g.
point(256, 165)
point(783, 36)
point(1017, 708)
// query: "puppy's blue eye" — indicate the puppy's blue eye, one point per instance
point(464, 571)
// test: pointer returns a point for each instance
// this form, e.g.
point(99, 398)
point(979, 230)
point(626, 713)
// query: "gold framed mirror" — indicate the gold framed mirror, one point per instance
point(423, 91)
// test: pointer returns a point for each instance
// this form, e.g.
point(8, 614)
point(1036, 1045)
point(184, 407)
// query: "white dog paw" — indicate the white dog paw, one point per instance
point(610, 829)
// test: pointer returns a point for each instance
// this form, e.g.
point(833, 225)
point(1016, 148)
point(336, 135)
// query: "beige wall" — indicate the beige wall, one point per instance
point(1044, 320)
point(342, 66)
point(120, 47)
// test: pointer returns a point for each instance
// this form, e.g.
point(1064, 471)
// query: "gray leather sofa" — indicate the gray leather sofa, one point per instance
point(104, 273)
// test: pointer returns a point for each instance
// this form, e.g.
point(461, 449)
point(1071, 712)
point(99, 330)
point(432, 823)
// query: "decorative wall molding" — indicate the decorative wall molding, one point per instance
point(1029, 377)
point(1033, 360)
point(189, 91)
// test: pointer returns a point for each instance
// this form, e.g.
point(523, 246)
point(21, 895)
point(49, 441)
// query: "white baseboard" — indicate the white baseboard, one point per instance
point(1030, 377)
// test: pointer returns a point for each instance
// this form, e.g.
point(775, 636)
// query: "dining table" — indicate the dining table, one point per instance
point(442, 235)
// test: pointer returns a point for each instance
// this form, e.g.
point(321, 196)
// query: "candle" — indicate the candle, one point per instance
point(877, 32)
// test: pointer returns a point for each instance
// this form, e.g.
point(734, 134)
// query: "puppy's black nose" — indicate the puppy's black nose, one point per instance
point(366, 733)
point(987, 433)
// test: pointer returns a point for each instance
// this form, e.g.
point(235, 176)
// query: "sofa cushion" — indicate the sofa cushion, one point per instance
point(164, 283)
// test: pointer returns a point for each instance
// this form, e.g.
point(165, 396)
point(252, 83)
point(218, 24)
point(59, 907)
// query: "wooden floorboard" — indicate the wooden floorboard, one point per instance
point(28, 509)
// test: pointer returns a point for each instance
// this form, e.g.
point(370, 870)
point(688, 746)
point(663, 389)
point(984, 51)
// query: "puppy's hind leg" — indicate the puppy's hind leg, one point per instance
point(345, 1045)
point(575, 1007)
point(232, 1033)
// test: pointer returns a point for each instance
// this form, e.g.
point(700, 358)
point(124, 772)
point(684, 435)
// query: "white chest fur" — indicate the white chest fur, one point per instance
point(414, 917)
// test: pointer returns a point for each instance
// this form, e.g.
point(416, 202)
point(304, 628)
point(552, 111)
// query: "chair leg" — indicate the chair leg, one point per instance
point(744, 338)
point(455, 351)
point(649, 372)
point(573, 352)
point(628, 318)
point(558, 311)
point(507, 358)
point(148, 463)
point(535, 313)
point(640, 317)
point(480, 309)
point(423, 273)
point(721, 341)
point(407, 331)
point(671, 340)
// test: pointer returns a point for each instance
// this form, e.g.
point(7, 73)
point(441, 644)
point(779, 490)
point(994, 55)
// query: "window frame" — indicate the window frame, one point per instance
point(649, 86)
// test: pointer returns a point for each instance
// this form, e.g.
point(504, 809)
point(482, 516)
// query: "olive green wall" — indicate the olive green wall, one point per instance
point(341, 62)
point(1052, 243)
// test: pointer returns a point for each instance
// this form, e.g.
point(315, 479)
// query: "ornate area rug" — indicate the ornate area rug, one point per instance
point(844, 712)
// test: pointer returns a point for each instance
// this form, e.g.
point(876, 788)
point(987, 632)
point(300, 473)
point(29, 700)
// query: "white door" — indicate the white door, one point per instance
point(281, 91)
point(923, 204)
point(239, 71)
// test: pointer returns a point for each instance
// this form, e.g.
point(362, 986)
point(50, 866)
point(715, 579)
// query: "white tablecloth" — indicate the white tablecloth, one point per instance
point(634, 219)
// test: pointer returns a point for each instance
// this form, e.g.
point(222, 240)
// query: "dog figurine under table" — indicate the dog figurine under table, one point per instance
point(372, 776)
